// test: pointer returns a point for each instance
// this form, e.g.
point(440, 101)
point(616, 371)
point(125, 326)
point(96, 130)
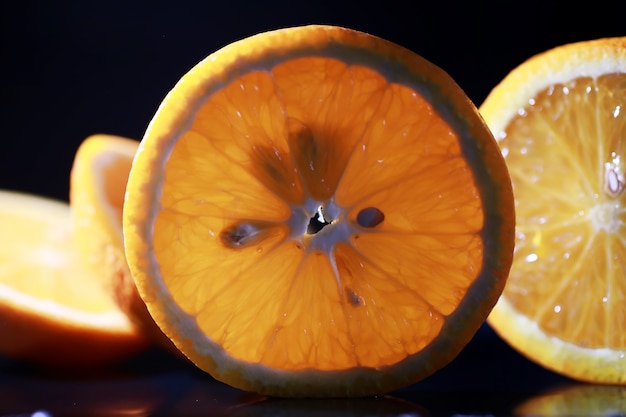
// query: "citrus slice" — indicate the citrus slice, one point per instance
point(97, 186)
point(560, 121)
point(315, 211)
point(53, 311)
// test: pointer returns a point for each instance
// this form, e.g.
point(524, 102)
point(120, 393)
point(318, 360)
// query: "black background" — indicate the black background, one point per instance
point(72, 69)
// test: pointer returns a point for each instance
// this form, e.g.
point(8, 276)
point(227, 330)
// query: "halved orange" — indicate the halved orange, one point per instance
point(561, 123)
point(53, 311)
point(315, 211)
point(97, 186)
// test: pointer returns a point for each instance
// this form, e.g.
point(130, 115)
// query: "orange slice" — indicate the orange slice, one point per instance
point(561, 123)
point(53, 311)
point(97, 186)
point(315, 211)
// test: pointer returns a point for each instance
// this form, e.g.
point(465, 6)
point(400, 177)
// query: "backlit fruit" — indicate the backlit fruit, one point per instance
point(561, 123)
point(53, 311)
point(317, 212)
point(97, 186)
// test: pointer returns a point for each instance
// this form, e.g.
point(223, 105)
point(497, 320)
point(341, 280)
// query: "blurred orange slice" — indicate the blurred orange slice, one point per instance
point(53, 311)
point(97, 186)
point(316, 211)
point(561, 123)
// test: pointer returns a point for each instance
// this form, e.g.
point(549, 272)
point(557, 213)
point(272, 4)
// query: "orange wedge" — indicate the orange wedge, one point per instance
point(317, 212)
point(53, 311)
point(97, 186)
point(561, 123)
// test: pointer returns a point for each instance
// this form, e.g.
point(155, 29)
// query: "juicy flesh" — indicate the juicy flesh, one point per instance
point(398, 219)
point(39, 267)
point(565, 153)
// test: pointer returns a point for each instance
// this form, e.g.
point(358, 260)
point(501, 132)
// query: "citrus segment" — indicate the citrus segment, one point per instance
point(97, 186)
point(317, 212)
point(53, 311)
point(560, 123)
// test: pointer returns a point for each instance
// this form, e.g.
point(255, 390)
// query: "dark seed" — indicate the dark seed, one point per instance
point(370, 217)
point(240, 235)
point(353, 298)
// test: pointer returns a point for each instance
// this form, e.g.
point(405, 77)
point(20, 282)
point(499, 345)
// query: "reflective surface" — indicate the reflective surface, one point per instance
point(487, 379)
point(78, 68)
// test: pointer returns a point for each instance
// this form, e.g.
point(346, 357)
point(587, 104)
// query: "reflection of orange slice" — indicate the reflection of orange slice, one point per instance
point(53, 311)
point(576, 401)
point(318, 212)
point(97, 186)
point(561, 123)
